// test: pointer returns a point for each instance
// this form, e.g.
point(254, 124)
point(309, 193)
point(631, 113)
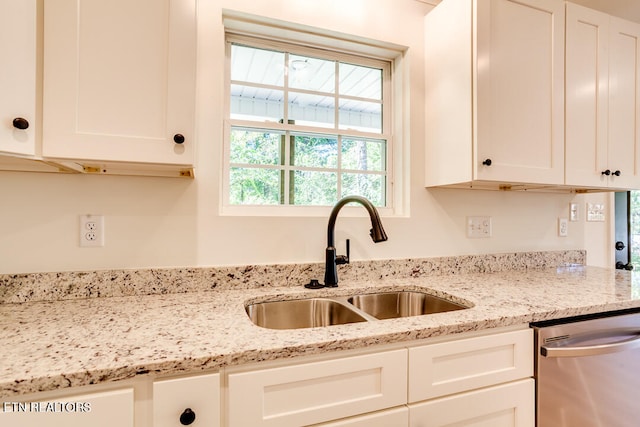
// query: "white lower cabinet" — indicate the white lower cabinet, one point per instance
point(191, 401)
point(174, 402)
point(461, 365)
point(317, 392)
point(507, 405)
point(106, 409)
point(478, 380)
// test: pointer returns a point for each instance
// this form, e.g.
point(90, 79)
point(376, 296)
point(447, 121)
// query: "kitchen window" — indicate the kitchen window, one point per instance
point(627, 229)
point(305, 126)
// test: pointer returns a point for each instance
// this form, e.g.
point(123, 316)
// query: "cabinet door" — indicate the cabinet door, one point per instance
point(508, 405)
point(587, 92)
point(520, 91)
point(624, 103)
point(452, 367)
point(119, 80)
point(108, 409)
point(185, 398)
point(318, 392)
point(17, 75)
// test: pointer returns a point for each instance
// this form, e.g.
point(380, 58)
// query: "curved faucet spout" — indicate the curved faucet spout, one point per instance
point(377, 235)
point(377, 232)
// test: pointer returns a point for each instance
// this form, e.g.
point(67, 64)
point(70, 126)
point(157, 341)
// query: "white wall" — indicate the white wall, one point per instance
point(153, 222)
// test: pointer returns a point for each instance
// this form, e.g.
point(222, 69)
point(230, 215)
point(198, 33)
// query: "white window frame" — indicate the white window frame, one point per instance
point(267, 33)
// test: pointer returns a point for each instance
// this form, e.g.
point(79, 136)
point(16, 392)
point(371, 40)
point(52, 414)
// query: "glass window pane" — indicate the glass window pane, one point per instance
point(250, 64)
point(254, 186)
point(258, 104)
point(371, 186)
point(256, 147)
point(317, 151)
point(360, 82)
point(313, 188)
point(361, 115)
point(314, 74)
point(312, 110)
point(363, 154)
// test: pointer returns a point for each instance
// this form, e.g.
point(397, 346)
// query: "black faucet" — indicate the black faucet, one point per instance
point(331, 259)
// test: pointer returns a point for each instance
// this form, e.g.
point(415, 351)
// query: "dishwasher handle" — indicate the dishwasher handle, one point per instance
point(591, 350)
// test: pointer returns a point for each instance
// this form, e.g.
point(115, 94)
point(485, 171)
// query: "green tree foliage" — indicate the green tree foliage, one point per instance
point(635, 228)
point(259, 164)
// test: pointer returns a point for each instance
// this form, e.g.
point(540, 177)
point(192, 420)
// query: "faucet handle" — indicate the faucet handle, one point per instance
point(343, 259)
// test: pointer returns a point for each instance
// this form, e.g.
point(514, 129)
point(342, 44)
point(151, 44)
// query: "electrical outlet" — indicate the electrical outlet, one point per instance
point(478, 227)
point(91, 231)
point(563, 227)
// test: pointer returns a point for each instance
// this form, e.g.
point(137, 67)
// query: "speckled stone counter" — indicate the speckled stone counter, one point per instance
point(46, 345)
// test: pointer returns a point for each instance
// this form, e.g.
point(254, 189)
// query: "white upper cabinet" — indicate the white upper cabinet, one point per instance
point(602, 81)
point(587, 96)
point(18, 77)
point(624, 103)
point(119, 80)
point(494, 84)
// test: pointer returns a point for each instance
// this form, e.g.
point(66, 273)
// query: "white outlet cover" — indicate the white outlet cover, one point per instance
point(563, 227)
point(91, 229)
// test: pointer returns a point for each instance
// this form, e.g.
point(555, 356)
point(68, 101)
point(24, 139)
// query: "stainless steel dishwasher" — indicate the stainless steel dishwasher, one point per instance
point(588, 372)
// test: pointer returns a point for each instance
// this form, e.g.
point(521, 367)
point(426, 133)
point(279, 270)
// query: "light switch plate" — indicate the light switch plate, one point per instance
point(478, 227)
point(595, 212)
point(573, 212)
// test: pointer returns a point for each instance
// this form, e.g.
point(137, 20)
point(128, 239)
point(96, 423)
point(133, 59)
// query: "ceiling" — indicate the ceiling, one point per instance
point(627, 9)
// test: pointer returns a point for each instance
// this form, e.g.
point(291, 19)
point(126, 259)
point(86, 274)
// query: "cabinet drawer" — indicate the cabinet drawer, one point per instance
point(317, 392)
point(453, 367)
point(200, 394)
point(391, 417)
point(112, 408)
point(508, 405)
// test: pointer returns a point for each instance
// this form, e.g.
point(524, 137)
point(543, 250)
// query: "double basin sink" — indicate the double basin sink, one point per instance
point(327, 311)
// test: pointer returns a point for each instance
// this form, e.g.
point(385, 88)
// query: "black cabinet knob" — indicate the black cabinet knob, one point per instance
point(607, 172)
point(620, 246)
point(487, 162)
point(187, 417)
point(20, 123)
point(617, 173)
point(178, 138)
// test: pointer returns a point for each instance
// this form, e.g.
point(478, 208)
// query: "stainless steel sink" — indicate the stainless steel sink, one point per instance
point(302, 313)
point(314, 312)
point(390, 305)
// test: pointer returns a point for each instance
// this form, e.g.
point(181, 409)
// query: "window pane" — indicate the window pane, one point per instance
point(289, 115)
point(312, 110)
point(367, 185)
point(313, 188)
point(361, 115)
point(363, 154)
point(256, 147)
point(314, 74)
point(254, 103)
point(361, 82)
point(253, 186)
point(250, 64)
point(316, 151)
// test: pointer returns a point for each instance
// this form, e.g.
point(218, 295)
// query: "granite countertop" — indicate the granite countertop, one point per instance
point(46, 345)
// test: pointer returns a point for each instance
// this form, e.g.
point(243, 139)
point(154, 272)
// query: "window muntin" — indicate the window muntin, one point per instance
point(306, 127)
